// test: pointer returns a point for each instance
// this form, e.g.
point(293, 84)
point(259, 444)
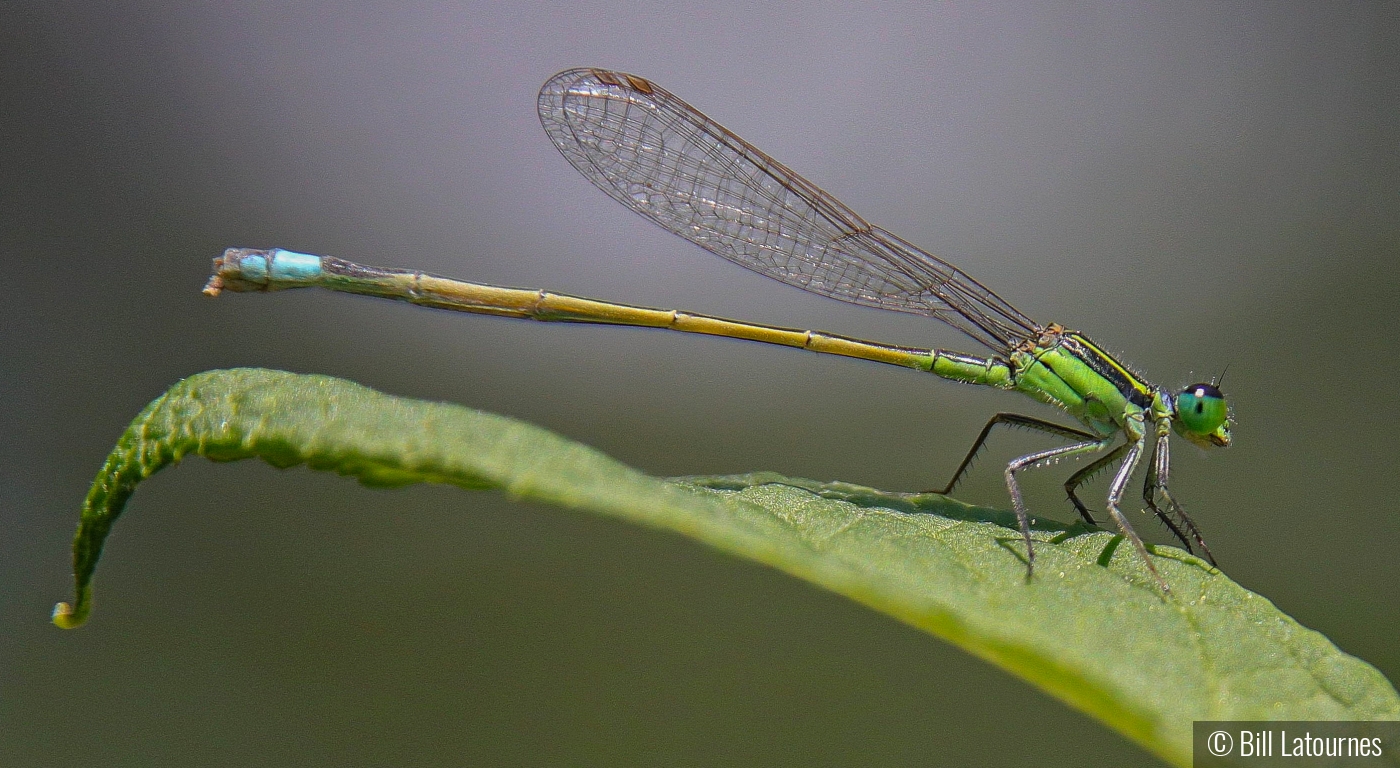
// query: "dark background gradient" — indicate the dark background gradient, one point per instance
point(1194, 184)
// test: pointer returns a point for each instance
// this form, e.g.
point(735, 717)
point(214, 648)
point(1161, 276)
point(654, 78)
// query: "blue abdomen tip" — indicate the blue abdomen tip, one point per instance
point(291, 267)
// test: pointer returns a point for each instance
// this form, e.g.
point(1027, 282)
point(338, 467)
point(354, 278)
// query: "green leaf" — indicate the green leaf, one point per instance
point(1090, 627)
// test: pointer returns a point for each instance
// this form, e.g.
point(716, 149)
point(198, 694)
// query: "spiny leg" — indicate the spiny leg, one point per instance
point(1013, 420)
point(1156, 482)
point(1019, 504)
point(1115, 497)
point(1083, 475)
point(1149, 485)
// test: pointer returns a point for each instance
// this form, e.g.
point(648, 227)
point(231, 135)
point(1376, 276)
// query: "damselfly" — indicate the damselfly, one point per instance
point(663, 159)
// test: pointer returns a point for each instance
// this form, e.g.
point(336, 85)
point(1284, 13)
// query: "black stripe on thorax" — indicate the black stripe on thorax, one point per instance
point(1131, 387)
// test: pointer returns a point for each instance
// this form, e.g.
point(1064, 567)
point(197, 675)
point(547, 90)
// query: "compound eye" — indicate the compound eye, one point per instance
point(1201, 408)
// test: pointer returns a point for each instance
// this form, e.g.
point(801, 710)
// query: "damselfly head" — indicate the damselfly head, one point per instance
point(1202, 416)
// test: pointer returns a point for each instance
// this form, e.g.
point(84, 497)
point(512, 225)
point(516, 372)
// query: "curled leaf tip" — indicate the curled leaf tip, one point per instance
point(67, 616)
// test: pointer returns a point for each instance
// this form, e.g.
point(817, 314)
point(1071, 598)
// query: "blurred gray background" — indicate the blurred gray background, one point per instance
point(1193, 184)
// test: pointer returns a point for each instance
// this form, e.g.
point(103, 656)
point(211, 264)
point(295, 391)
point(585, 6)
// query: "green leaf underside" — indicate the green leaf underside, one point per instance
point(1090, 627)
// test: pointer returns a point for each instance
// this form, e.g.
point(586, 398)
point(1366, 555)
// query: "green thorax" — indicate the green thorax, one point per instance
point(1065, 369)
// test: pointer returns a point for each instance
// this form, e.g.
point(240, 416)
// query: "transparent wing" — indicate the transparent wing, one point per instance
point(665, 160)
